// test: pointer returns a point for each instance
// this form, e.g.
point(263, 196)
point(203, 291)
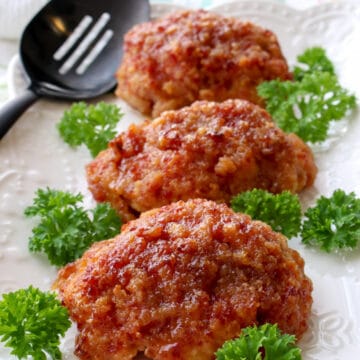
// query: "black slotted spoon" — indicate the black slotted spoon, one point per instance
point(71, 49)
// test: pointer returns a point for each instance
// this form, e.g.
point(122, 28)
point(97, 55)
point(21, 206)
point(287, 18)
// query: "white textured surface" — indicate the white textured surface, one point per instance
point(15, 14)
point(33, 156)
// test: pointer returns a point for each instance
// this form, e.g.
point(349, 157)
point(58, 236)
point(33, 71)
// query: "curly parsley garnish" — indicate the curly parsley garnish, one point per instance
point(313, 60)
point(281, 211)
point(32, 322)
point(66, 229)
point(92, 125)
point(333, 223)
point(264, 342)
point(309, 104)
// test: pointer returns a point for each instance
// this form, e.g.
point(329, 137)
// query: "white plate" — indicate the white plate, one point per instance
point(32, 156)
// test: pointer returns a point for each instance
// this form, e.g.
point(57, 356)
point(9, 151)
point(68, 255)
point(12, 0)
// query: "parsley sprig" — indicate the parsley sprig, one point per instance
point(309, 104)
point(32, 322)
point(313, 60)
point(333, 223)
point(264, 342)
point(91, 125)
point(281, 211)
point(66, 229)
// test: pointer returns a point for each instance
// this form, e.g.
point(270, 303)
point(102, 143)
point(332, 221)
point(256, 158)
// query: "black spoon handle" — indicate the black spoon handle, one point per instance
point(12, 110)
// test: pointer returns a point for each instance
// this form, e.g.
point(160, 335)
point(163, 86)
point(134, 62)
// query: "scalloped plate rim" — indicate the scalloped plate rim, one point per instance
point(348, 284)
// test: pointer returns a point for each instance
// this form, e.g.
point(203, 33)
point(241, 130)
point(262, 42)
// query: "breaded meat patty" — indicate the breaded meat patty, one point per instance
point(179, 281)
point(196, 55)
point(208, 150)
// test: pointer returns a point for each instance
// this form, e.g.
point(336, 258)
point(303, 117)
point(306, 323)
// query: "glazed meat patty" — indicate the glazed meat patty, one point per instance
point(208, 150)
point(196, 55)
point(179, 281)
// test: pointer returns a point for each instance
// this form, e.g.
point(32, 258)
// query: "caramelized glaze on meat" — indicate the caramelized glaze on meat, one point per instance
point(179, 281)
point(208, 150)
point(196, 55)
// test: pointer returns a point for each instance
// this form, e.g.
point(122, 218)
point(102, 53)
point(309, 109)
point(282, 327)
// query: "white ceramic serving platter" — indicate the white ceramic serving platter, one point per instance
point(33, 156)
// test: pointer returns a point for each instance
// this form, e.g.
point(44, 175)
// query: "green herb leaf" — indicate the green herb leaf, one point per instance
point(333, 223)
point(66, 229)
point(92, 125)
point(308, 106)
point(106, 222)
point(313, 60)
point(281, 211)
point(47, 200)
point(260, 343)
point(32, 322)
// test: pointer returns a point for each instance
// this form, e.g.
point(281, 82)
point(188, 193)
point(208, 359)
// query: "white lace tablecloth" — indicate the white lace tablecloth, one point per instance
point(15, 14)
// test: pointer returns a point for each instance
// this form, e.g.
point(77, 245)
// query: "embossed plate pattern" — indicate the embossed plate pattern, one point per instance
point(33, 156)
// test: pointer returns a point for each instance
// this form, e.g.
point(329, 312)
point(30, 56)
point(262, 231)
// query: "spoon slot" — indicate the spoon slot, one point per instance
point(85, 44)
point(96, 50)
point(73, 38)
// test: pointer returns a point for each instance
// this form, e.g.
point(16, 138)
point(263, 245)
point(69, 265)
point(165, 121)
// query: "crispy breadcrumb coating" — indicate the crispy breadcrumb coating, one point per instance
point(196, 55)
point(179, 281)
point(208, 150)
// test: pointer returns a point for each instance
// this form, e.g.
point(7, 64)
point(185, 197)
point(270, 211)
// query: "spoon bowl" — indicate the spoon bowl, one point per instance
point(71, 50)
